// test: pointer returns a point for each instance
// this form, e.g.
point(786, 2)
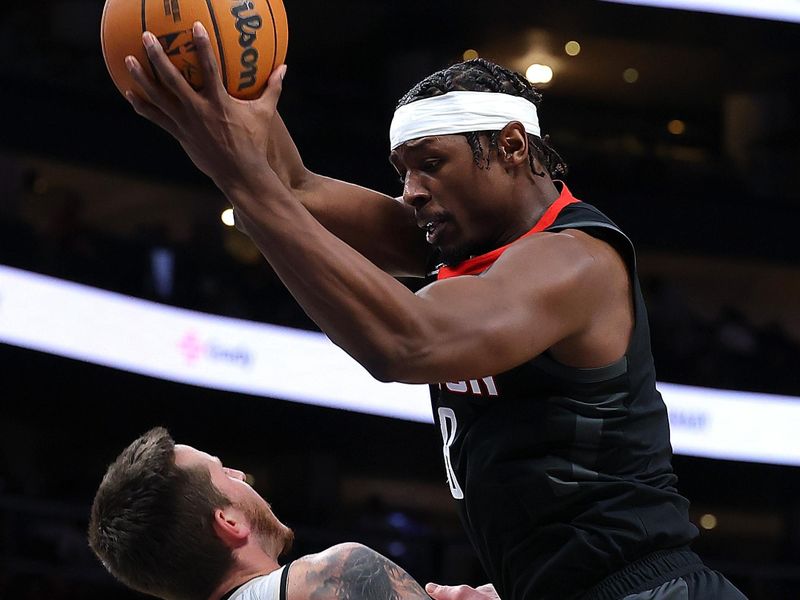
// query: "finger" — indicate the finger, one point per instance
point(487, 589)
point(156, 93)
point(167, 73)
point(269, 99)
point(212, 83)
point(449, 592)
point(152, 113)
point(432, 589)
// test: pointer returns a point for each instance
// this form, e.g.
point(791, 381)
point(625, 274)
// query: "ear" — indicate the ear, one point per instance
point(231, 526)
point(512, 144)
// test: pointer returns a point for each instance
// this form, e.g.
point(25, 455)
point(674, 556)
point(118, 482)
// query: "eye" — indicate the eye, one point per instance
point(431, 164)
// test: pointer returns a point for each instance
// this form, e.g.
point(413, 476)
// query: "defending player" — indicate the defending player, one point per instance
point(533, 336)
point(171, 521)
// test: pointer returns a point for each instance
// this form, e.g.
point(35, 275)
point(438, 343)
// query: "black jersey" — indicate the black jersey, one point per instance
point(563, 475)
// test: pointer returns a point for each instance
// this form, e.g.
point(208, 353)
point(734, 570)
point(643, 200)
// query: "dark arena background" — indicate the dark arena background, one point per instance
point(681, 125)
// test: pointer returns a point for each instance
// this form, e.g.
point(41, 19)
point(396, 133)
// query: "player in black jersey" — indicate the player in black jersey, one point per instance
point(533, 336)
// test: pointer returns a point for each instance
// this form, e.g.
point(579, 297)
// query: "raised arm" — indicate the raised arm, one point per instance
point(378, 226)
point(546, 289)
point(350, 572)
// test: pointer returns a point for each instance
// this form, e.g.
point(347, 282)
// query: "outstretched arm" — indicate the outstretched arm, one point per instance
point(350, 572)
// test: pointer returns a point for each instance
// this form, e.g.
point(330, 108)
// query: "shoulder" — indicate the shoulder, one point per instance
point(334, 562)
point(335, 553)
point(567, 259)
point(349, 570)
point(574, 278)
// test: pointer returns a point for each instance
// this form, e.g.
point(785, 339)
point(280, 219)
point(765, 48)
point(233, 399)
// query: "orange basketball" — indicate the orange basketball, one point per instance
point(249, 38)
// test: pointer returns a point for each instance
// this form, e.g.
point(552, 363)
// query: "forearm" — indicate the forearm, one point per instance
point(367, 312)
point(376, 225)
point(285, 159)
point(445, 332)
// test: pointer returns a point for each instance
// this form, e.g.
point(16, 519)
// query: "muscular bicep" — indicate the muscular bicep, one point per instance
point(540, 292)
point(351, 572)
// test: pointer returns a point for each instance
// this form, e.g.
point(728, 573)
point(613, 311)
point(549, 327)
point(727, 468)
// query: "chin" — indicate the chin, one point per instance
point(453, 256)
point(287, 538)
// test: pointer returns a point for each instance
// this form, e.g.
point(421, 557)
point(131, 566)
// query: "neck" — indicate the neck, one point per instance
point(535, 199)
point(544, 193)
point(243, 571)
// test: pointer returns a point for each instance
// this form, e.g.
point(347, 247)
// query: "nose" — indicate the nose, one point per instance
point(236, 474)
point(414, 193)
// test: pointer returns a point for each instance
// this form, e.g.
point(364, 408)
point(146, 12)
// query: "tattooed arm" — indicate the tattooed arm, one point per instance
point(350, 572)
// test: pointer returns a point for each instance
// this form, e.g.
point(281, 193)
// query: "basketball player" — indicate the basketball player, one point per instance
point(532, 334)
point(171, 521)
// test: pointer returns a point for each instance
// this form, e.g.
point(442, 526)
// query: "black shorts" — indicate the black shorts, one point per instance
point(666, 575)
point(697, 585)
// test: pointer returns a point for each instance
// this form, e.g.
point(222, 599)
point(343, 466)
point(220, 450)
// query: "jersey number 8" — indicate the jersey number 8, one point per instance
point(447, 419)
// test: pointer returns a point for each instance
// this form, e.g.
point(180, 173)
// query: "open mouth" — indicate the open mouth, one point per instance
point(433, 230)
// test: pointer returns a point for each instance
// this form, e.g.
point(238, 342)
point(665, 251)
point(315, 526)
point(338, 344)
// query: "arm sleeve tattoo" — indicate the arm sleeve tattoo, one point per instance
point(360, 573)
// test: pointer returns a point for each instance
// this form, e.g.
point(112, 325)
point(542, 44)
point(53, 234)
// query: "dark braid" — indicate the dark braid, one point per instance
point(481, 75)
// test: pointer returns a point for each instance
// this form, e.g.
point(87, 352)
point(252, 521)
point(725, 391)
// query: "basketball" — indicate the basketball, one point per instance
point(249, 38)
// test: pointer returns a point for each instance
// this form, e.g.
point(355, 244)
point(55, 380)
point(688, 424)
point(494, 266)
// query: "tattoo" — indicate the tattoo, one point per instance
point(360, 573)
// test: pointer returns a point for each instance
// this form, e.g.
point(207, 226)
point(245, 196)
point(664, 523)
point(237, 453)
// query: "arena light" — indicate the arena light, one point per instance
point(630, 75)
point(775, 10)
point(537, 73)
point(676, 127)
point(227, 217)
point(79, 322)
point(572, 48)
point(708, 521)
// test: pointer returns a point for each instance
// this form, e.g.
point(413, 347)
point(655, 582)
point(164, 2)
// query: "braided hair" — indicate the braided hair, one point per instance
point(481, 75)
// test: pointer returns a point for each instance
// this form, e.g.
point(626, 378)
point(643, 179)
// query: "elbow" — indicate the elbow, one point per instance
point(399, 363)
point(381, 368)
point(301, 179)
point(305, 182)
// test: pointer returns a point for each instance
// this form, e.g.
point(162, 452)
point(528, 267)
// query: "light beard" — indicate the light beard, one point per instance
point(271, 533)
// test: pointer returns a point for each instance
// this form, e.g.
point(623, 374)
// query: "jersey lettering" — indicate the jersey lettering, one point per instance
point(459, 387)
point(448, 422)
point(473, 386)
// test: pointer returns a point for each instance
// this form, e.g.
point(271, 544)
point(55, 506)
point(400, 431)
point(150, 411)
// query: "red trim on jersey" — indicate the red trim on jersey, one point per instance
point(478, 264)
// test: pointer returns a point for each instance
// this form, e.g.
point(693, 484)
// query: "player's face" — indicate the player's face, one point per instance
point(232, 483)
point(463, 209)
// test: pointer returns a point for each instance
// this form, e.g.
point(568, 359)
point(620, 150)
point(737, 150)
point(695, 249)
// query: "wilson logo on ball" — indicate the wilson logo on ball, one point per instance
point(247, 24)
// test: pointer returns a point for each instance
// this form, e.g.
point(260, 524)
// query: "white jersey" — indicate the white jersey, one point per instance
point(267, 587)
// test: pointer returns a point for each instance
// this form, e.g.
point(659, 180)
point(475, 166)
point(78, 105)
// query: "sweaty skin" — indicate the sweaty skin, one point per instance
point(573, 300)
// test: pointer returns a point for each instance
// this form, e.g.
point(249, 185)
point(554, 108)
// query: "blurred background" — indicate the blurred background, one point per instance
point(682, 126)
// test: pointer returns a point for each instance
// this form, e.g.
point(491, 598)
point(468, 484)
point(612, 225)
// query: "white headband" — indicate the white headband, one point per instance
point(460, 112)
